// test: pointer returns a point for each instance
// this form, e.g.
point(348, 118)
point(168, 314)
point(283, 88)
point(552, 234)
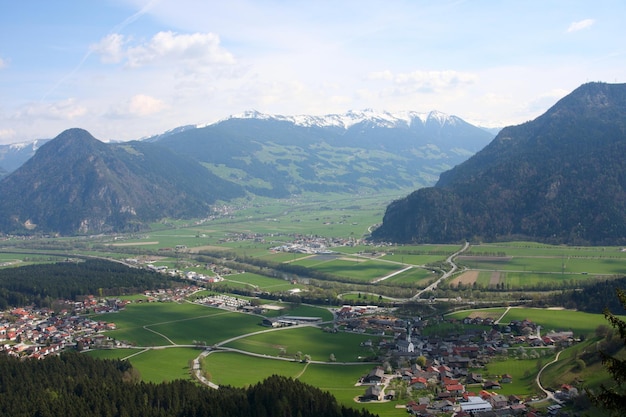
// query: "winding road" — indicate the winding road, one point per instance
point(446, 274)
point(549, 394)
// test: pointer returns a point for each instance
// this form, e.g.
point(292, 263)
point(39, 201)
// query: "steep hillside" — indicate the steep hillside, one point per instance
point(560, 178)
point(280, 155)
point(77, 184)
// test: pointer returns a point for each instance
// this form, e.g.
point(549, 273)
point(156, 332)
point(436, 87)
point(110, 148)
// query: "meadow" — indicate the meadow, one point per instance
point(160, 324)
point(230, 368)
point(581, 323)
point(320, 345)
point(155, 365)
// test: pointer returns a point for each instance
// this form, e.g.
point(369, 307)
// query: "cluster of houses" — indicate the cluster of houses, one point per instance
point(36, 333)
point(313, 245)
point(447, 363)
point(451, 392)
point(178, 294)
point(224, 301)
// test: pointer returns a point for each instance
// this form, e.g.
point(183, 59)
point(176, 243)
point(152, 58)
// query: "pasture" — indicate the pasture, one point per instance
point(523, 372)
point(155, 365)
point(160, 324)
point(579, 322)
point(230, 368)
point(549, 319)
point(287, 342)
point(260, 282)
point(365, 270)
point(527, 257)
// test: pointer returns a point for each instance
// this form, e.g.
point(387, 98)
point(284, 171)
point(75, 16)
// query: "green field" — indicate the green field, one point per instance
point(229, 368)
point(260, 282)
point(253, 227)
point(549, 319)
point(308, 341)
point(152, 324)
point(576, 321)
point(156, 365)
point(365, 270)
point(523, 372)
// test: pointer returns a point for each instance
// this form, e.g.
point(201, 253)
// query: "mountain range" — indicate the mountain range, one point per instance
point(14, 155)
point(560, 178)
point(76, 184)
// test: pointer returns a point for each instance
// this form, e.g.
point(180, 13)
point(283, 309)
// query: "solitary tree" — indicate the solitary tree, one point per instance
point(613, 397)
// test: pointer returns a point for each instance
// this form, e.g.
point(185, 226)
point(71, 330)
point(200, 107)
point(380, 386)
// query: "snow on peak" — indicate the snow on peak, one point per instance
point(441, 118)
point(353, 117)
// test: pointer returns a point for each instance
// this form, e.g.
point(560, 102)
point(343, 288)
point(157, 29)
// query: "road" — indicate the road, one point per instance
point(453, 269)
point(549, 394)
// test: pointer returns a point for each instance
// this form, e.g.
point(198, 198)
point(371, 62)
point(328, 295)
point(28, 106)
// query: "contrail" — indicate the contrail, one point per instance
point(116, 28)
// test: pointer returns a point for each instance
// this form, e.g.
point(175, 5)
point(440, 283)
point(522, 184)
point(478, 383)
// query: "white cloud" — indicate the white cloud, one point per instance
point(3, 63)
point(424, 81)
point(139, 105)
point(7, 134)
point(580, 25)
point(168, 47)
point(67, 109)
point(143, 105)
point(110, 48)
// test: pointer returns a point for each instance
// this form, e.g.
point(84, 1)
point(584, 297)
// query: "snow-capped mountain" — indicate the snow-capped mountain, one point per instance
point(402, 119)
point(278, 155)
point(14, 155)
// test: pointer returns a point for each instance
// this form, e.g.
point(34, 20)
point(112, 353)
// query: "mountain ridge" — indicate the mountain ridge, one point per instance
point(559, 178)
point(76, 184)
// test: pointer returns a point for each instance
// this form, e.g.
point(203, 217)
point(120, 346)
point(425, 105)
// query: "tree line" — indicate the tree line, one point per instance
point(43, 284)
point(76, 385)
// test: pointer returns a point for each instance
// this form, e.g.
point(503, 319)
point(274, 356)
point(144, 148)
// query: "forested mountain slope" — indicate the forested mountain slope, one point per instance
point(560, 178)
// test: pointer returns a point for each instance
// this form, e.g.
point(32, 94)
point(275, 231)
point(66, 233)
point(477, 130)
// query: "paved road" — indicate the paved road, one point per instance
point(454, 267)
point(549, 394)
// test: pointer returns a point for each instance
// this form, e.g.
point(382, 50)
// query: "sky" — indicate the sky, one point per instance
point(128, 69)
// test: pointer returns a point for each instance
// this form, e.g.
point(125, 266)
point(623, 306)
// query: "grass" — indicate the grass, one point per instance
point(307, 340)
point(229, 368)
point(182, 323)
point(420, 278)
point(523, 372)
point(155, 365)
point(558, 320)
point(261, 282)
point(576, 321)
point(359, 268)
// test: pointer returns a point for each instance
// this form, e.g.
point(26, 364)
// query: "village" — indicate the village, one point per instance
point(437, 374)
point(37, 332)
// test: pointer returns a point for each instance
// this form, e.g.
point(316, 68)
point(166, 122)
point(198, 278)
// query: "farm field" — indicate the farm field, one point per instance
point(523, 372)
point(576, 321)
point(308, 341)
point(416, 277)
point(230, 368)
point(558, 320)
point(260, 282)
point(365, 270)
point(160, 324)
point(156, 365)
point(545, 259)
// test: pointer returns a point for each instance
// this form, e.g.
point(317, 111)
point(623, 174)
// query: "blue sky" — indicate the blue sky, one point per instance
point(126, 69)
